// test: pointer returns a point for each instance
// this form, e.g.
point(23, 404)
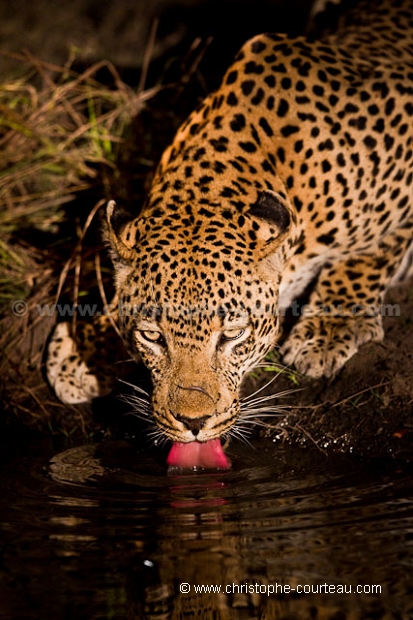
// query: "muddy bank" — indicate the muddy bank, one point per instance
point(368, 408)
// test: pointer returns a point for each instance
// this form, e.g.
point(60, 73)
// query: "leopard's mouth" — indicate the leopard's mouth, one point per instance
point(198, 429)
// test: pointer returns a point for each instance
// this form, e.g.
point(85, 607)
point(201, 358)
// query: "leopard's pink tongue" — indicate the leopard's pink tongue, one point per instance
point(196, 455)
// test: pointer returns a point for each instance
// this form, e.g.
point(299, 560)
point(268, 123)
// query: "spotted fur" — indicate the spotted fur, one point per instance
point(298, 169)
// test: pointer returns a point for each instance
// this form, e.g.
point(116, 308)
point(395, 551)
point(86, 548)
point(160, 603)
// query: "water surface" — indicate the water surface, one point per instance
point(102, 532)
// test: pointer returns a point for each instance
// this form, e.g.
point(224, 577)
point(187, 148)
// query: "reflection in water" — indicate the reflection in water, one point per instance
point(104, 533)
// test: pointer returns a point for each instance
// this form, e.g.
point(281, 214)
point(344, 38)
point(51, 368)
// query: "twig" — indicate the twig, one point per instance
point(148, 55)
point(367, 389)
point(103, 294)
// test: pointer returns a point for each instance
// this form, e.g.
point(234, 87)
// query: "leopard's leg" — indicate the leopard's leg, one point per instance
point(346, 307)
point(79, 366)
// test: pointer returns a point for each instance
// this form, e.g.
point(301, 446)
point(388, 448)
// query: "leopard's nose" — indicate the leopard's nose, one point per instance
point(193, 424)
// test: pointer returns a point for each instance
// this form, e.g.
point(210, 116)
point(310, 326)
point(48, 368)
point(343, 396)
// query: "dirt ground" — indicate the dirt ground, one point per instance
point(368, 408)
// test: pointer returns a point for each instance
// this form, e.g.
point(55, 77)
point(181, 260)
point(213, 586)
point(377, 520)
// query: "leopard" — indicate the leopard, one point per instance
point(294, 176)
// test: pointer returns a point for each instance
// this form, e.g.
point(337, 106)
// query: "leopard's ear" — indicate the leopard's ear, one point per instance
point(120, 232)
point(273, 220)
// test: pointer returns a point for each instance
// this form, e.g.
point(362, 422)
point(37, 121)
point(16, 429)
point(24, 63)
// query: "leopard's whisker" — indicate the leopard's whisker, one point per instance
point(157, 436)
point(137, 388)
point(254, 423)
point(264, 412)
point(263, 387)
point(136, 414)
point(138, 406)
point(240, 433)
point(262, 399)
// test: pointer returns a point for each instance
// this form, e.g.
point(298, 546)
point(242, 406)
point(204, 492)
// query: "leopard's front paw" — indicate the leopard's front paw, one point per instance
point(72, 373)
point(320, 346)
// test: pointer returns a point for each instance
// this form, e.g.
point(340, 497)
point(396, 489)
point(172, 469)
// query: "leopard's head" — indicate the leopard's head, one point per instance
point(198, 297)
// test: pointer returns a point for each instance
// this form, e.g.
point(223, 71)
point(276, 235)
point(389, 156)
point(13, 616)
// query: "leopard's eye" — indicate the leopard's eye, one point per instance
point(152, 336)
point(231, 334)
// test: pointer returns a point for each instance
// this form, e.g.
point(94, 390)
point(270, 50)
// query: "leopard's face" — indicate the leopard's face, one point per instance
point(199, 313)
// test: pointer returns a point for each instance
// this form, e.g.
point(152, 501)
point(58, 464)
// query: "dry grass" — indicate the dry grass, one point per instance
point(59, 135)
point(57, 128)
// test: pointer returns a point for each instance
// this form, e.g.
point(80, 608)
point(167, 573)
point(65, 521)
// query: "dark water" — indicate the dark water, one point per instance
point(101, 532)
